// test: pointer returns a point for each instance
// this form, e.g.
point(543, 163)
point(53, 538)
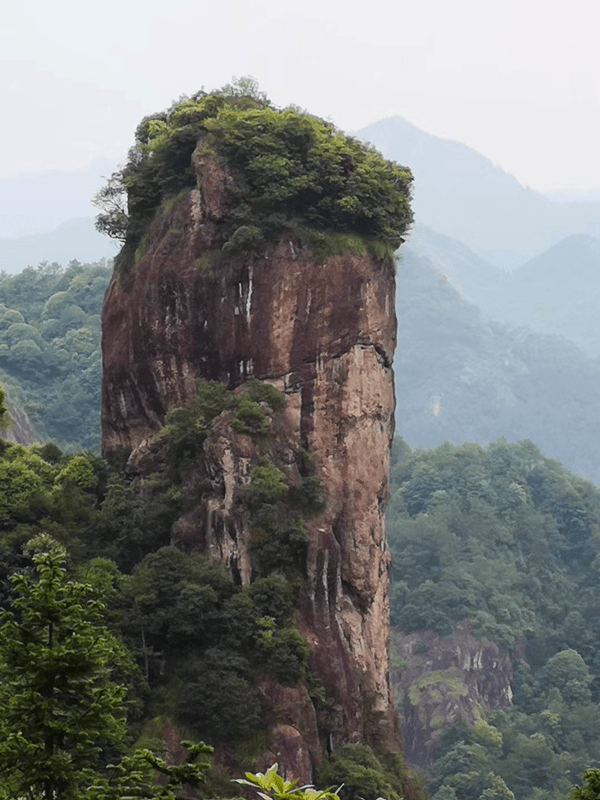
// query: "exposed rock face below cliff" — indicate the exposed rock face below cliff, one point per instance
point(442, 681)
point(21, 430)
point(324, 333)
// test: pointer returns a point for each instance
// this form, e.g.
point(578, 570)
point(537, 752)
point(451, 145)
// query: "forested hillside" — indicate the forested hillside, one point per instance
point(554, 293)
point(509, 540)
point(209, 651)
point(50, 359)
point(461, 377)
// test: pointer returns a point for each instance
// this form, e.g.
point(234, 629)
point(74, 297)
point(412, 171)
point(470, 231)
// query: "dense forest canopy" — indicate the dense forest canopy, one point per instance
point(50, 358)
point(199, 638)
point(290, 170)
point(510, 540)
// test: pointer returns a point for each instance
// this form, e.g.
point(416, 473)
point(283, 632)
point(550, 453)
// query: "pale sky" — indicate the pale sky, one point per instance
point(517, 80)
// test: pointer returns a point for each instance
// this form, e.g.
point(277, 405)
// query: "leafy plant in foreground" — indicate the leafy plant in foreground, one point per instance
point(271, 786)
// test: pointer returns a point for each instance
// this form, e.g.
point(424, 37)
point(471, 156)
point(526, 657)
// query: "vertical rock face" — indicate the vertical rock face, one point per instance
point(324, 333)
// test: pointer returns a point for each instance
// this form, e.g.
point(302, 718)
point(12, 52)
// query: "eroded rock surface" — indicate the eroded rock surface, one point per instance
point(322, 332)
point(21, 430)
point(442, 681)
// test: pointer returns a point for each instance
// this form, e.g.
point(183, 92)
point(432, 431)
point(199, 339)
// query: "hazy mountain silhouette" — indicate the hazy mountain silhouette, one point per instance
point(460, 377)
point(74, 239)
point(557, 292)
point(461, 194)
point(40, 202)
point(472, 276)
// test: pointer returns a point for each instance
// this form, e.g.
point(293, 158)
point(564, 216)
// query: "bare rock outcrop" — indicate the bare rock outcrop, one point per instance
point(321, 330)
point(21, 430)
point(442, 681)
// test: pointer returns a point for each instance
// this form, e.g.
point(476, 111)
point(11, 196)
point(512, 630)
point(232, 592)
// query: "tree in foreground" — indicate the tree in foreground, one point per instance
point(62, 708)
point(591, 787)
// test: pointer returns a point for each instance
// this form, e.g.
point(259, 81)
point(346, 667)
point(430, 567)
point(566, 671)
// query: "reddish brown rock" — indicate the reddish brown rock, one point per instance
point(324, 333)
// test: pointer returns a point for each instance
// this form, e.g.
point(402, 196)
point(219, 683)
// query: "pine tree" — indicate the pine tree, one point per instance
point(61, 707)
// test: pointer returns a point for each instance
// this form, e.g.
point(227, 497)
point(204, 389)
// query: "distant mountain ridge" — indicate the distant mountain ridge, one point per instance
point(472, 276)
point(556, 293)
point(461, 194)
point(40, 202)
point(74, 239)
point(461, 377)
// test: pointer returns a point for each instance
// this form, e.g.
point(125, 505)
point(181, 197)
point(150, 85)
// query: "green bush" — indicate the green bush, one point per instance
point(249, 418)
point(308, 495)
point(279, 541)
point(362, 774)
point(261, 392)
point(217, 699)
point(274, 597)
point(290, 170)
point(267, 484)
point(282, 651)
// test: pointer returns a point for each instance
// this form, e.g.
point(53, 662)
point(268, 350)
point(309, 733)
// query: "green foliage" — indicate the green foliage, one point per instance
point(271, 786)
point(217, 698)
point(499, 535)
point(267, 484)
point(308, 496)
point(290, 169)
point(250, 406)
point(177, 605)
point(591, 787)
point(187, 428)
point(50, 359)
point(508, 539)
point(135, 776)
point(284, 650)
point(63, 701)
point(279, 540)
point(60, 703)
point(249, 418)
point(274, 597)
point(331, 243)
point(199, 639)
point(5, 420)
point(299, 166)
point(361, 773)
point(279, 536)
point(193, 628)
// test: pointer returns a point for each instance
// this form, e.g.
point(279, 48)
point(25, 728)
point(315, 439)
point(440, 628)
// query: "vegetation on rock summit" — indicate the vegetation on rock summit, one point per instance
point(291, 170)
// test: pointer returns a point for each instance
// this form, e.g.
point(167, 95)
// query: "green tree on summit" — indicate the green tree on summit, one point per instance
point(292, 171)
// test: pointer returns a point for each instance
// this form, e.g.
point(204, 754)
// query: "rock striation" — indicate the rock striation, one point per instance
point(321, 330)
point(21, 430)
point(443, 681)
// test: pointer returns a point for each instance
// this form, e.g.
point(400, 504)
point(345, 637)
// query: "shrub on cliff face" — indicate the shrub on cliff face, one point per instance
point(289, 168)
